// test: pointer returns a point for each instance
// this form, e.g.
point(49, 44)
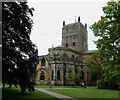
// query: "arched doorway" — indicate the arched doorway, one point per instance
point(58, 75)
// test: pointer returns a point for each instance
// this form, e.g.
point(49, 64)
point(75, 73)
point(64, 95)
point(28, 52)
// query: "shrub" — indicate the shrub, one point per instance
point(101, 84)
point(112, 85)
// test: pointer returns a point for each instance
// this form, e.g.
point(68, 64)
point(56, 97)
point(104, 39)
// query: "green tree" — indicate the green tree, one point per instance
point(94, 62)
point(20, 55)
point(108, 31)
point(73, 78)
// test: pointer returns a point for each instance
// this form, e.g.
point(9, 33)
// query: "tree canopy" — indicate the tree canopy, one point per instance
point(108, 44)
point(19, 54)
point(95, 69)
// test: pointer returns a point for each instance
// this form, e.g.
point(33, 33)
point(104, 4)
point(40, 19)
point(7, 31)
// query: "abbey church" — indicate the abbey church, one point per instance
point(67, 58)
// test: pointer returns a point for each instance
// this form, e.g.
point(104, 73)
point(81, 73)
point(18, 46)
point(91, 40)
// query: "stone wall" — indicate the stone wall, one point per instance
point(63, 60)
point(69, 56)
point(74, 36)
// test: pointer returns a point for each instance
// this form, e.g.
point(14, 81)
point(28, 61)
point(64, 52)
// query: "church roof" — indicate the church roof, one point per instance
point(65, 49)
point(60, 46)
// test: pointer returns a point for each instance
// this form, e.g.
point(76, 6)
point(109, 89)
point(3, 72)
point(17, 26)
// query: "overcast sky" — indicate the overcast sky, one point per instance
point(49, 16)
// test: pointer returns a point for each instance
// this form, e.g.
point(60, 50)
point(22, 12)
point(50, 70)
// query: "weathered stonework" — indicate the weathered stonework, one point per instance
point(69, 57)
point(75, 37)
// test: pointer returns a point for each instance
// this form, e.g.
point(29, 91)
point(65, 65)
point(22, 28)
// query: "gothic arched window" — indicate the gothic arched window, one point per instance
point(58, 75)
point(52, 74)
point(66, 44)
point(42, 75)
point(73, 43)
point(70, 71)
point(43, 62)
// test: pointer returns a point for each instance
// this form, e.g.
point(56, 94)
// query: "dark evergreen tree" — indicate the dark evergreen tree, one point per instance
point(20, 55)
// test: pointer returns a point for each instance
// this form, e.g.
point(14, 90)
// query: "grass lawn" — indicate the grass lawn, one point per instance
point(47, 86)
point(41, 86)
point(75, 92)
point(15, 94)
point(89, 92)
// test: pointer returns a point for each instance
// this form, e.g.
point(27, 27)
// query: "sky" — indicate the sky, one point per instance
point(49, 15)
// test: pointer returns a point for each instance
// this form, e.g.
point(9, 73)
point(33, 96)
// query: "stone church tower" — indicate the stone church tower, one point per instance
point(67, 58)
point(74, 36)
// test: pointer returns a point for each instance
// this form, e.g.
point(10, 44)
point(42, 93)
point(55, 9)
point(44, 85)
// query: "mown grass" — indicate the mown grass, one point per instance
point(14, 93)
point(47, 86)
point(88, 93)
point(84, 93)
point(41, 86)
